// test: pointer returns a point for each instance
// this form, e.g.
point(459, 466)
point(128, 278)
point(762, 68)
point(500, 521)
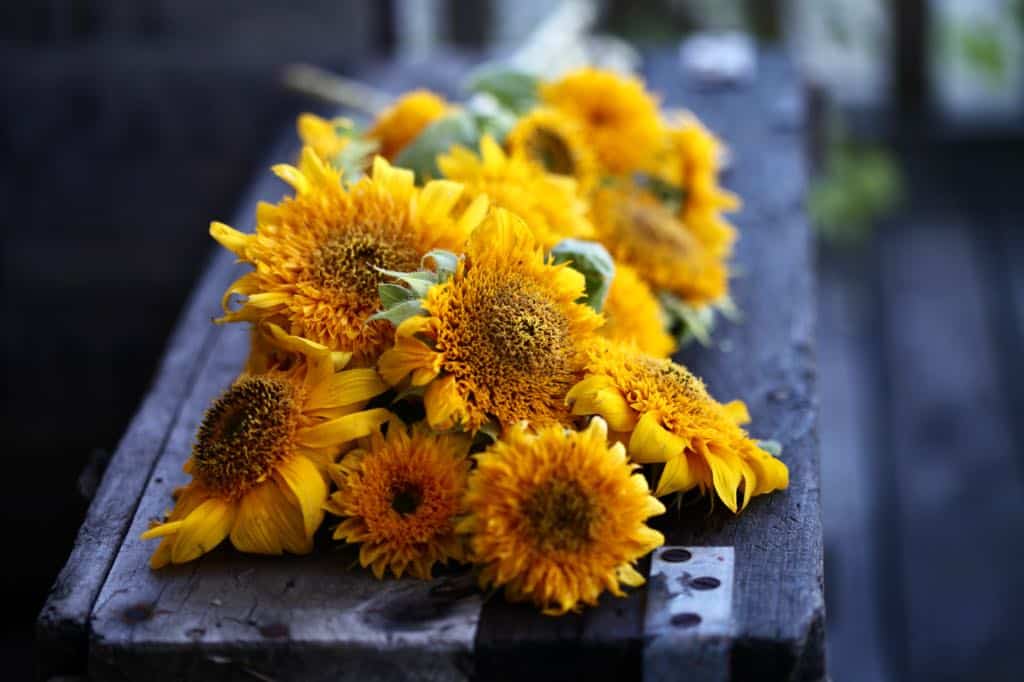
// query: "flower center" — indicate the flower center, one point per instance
point(244, 434)
point(347, 262)
point(652, 224)
point(524, 330)
point(552, 152)
point(406, 499)
point(560, 515)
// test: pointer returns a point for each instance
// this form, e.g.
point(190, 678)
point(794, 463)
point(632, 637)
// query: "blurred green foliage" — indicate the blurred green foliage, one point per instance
point(860, 183)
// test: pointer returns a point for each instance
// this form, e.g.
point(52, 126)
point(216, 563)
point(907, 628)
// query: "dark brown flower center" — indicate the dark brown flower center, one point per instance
point(548, 148)
point(406, 499)
point(560, 515)
point(348, 262)
point(244, 434)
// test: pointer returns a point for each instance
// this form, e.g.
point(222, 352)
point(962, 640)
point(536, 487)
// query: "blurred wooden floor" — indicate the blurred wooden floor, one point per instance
point(922, 381)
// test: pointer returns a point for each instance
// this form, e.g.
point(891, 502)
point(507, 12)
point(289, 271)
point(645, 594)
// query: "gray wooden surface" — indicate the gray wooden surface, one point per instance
point(230, 616)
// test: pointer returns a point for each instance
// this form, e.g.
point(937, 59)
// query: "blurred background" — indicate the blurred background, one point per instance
point(128, 125)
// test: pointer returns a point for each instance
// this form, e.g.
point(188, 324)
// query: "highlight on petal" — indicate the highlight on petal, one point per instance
point(300, 479)
point(343, 429)
point(202, 530)
point(651, 442)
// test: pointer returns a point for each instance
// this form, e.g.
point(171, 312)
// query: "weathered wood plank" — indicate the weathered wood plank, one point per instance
point(851, 457)
point(62, 626)
point(768, 361)
point(960, 504)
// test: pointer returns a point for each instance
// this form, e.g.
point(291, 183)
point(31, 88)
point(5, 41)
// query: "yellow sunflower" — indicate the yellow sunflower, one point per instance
point(405, 120)
point(695, 160)
point(556, 142)
point(558, 517)
point(502, 339)
point(641, 231)
point(259, 462)
point(619, 117)
point(548, 203)
point(322, 135)
point(633, 315)
point(665, 415)
point(316, 255)
point(400, 496)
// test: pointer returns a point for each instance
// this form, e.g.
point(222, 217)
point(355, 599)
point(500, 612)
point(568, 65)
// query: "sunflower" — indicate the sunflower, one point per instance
point(317, 255)
point(694, 166)
point(557, 517)
point(641, 231)
point(405, 120)
point(501, 339)
point(400, 496)
point(259, 462)
point(555, 141)
point(619, 117)
point(548, 203)
point(322, 135)
point(665, 415)
point(633, 315)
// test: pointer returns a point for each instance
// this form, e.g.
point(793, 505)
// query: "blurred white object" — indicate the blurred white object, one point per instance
point(719, 58)
point(977, 58)
point(844, 45)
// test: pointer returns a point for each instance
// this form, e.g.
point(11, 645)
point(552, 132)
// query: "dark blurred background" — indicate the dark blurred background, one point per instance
point(128, 125)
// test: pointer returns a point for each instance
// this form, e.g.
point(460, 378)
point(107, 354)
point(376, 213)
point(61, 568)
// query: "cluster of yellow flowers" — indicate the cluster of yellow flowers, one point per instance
point(459, 347)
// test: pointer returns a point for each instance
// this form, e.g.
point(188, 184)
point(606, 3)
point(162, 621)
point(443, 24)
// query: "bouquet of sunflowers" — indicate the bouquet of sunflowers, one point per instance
point(461, 326)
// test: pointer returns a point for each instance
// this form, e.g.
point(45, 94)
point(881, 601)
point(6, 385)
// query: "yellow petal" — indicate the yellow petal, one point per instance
point(726, 478)
point(347, 387)
point(231, 239)
point(409, 355)
point(293, 176)
point(162, 556)
point(737, 411)
point(445, 408)
point(269, 523)
point(676, 477)
point(343, 429)
point(598, 395)
point(629, 576)
point(652, 442)
point(203, 529)
point(162, 530)
point(474, 214)
point(300, 479)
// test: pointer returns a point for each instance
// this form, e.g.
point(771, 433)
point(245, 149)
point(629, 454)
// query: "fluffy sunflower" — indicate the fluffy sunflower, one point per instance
point(401, 123)
point(259, 462)
point(558, 517)
point(399, 498)
point(666, 416)
point(501, 340)
point(556, 142)
point(321, 135)
point(548, 203)
point(639, 230)
point(618, 116)
point(316, 255)
point(694, 166)
point(633, 315)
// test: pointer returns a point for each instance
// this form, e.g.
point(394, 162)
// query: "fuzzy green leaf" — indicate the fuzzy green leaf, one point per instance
point(399, 313)
point(593, 262)
point(393, 294)
point(686, 321)
point(458, 128)
point(772, 447)
point(419, 282)
point(445, 263)
point(514, 90)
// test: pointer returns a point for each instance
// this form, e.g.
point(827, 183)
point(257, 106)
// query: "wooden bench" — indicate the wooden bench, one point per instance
point(728, 597)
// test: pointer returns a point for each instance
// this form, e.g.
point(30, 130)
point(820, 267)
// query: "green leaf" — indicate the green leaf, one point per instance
point(514, 90)
point(399, 313)
point(354, 158)
point(457, 128)
point(393, 294)
point(593, 262)
point(772, 447)
point(688, 322)
point(419, 282)
point(445, 263)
